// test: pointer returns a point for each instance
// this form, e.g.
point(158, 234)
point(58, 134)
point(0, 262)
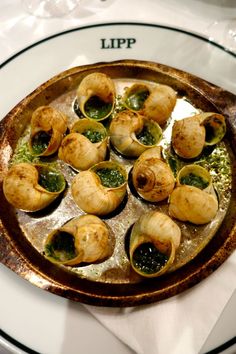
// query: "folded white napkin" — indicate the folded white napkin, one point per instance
point(180, 324)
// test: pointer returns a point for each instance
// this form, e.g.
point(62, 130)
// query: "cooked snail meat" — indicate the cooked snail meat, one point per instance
point(85, 146)
point(153, 242)
point(48, 127)
point(131, 134)
point(152, 177)
point(96, 96)
point(84, 239)
point(32, 187)
point(188, 203)
point(101, 189)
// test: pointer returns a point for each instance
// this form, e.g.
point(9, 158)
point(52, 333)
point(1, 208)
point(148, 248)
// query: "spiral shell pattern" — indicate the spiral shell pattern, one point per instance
point(152, 177)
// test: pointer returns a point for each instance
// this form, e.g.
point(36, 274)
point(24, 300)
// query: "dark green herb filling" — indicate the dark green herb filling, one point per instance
point(148, 259)
point(93, 135)
point(145, 136)
point(96, 108)
point(40, 142)
point(62, 247)
point(110, 177)
point(136, 100)
point(51, 180)
point(193, 180)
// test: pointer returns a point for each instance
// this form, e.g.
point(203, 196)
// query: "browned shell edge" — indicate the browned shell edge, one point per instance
point(17, 253)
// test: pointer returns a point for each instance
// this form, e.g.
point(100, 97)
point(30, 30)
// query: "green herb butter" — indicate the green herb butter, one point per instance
point(93, 135)
point(193, 180)
point(110, 177)
point(96, 108)
point(148, 259)
point(49, 179)
point(61, 247)
point(136, 100)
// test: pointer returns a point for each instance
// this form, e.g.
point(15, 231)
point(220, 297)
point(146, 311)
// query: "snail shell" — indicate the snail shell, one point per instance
point(80, 151)
point(92, 196)
point(194, 175)
point(153, 243)
point(96, 96)
point(152, 177)
point(191, 134)
point(156, 103)
point(128, 131)
point(189, 203)
point(82, 239)
point(24, 184)
point(48, 127)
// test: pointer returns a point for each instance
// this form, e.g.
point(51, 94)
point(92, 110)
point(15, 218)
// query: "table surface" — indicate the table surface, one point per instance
point(192, 15)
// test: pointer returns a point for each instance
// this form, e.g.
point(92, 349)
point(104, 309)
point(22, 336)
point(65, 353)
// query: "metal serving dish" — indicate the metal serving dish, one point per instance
point(112, 282)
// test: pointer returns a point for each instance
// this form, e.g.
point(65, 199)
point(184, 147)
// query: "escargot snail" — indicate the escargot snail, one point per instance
point(152, 177)
point(48, 126)
point(153, 243)
point(156, 103)
point(85, 146)
point(191, 134)
point(32, 187)
point(189, 203)
point(131, 134)
point(82, 239)
point(101, 189)
point(96, 96)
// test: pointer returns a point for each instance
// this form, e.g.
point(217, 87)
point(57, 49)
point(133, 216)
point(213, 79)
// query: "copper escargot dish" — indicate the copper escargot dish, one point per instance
point(118, 183)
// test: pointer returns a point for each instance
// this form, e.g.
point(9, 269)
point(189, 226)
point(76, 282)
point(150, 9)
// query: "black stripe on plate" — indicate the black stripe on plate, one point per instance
point(16, 343)
point(119, 24)
point(223, 346)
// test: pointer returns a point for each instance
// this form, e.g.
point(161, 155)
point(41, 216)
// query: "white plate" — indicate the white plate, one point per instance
point(37, 319)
